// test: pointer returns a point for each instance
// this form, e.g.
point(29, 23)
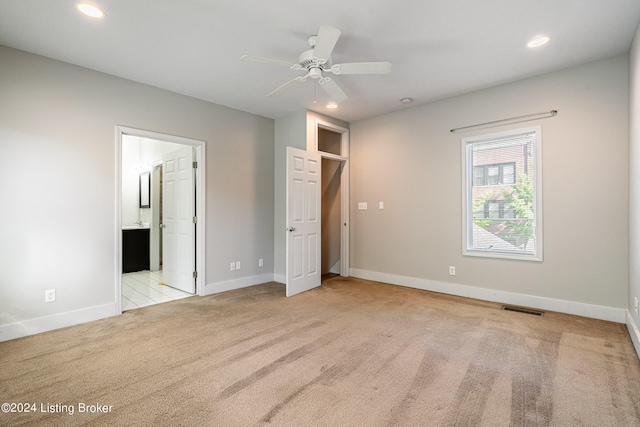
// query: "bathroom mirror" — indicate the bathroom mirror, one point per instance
point(145, 189)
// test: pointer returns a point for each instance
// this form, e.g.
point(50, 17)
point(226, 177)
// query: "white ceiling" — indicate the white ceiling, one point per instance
point(438, 48)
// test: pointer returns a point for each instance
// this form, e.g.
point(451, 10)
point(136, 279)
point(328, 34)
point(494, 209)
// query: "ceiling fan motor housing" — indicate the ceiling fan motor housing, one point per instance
point(314, 65)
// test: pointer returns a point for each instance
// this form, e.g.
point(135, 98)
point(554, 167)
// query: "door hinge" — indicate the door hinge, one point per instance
point(195, 274)
point(195, 219)
point(195, 165)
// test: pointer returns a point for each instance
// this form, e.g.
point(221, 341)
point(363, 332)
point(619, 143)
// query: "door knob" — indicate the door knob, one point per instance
point(291, 229)
point(162, 226)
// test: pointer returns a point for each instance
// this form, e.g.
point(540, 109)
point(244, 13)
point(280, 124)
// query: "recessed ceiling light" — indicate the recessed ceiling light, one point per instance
point(538, 41)
point(406, 100)
point(332, 105)
point(90, 10)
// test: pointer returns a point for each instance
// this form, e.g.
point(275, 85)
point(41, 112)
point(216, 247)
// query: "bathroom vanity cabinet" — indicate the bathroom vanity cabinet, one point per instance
point(135, 250)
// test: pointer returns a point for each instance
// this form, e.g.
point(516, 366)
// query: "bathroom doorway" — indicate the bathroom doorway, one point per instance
point(147, 163)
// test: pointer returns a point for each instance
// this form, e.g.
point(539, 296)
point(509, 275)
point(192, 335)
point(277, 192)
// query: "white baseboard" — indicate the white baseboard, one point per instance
point(243, 282)
point(19, 329)
point(611, 314)
point(634, 332)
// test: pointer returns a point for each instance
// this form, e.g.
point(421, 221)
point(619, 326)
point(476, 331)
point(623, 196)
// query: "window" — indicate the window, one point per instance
point(496, 209)
point(496, 174)
point(502, 206)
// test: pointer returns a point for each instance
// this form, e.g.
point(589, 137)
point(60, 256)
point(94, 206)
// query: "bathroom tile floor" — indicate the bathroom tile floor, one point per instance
point(143, 288)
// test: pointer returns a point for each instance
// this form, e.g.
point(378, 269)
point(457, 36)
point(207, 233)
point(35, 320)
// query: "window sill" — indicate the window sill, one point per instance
point(502, 255)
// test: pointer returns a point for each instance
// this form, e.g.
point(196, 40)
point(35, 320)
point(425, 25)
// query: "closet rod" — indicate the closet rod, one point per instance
point(526, 117)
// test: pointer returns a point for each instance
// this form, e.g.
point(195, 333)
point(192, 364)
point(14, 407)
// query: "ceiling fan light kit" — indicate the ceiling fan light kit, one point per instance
point(317, 61)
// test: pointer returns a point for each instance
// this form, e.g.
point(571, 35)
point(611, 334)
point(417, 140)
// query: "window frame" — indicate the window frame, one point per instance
point(467, 203)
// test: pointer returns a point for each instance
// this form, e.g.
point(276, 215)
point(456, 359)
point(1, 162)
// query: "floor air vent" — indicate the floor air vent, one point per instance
point(523, 310)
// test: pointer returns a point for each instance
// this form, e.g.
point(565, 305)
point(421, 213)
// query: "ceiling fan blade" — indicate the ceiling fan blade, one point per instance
point(333, 89)
point(325, 42)
point(247, 58)
point(362, 68)
point(286, 86)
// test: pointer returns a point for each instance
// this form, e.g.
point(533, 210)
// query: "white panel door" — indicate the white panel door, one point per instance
point(178, 227)
point(303, 220)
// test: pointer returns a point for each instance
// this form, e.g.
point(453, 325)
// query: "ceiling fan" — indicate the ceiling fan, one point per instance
point(317, 61)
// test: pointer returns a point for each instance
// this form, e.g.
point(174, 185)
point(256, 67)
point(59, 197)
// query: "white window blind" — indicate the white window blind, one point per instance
point(502, 207)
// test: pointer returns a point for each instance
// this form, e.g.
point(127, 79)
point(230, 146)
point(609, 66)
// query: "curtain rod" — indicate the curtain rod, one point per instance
point(525, 118)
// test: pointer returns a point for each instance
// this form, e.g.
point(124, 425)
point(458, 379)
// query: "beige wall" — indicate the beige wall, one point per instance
point(58, 174)
point(634, 185)
point(412, 162)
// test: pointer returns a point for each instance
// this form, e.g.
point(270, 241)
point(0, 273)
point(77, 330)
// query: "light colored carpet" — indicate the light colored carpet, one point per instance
point(350, 353)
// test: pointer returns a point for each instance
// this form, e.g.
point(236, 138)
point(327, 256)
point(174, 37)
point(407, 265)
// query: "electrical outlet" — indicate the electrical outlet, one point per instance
point(452, 270)
point(238, 265)
point(635, 304)
point(50, 295)
point(260, 262)
point(233, 266)
point(381, 205)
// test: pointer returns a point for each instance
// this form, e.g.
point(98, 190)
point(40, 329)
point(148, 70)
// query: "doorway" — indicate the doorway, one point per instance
point(157, 157)
point(331, 227)
point(317, 209)
point(332, 143)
